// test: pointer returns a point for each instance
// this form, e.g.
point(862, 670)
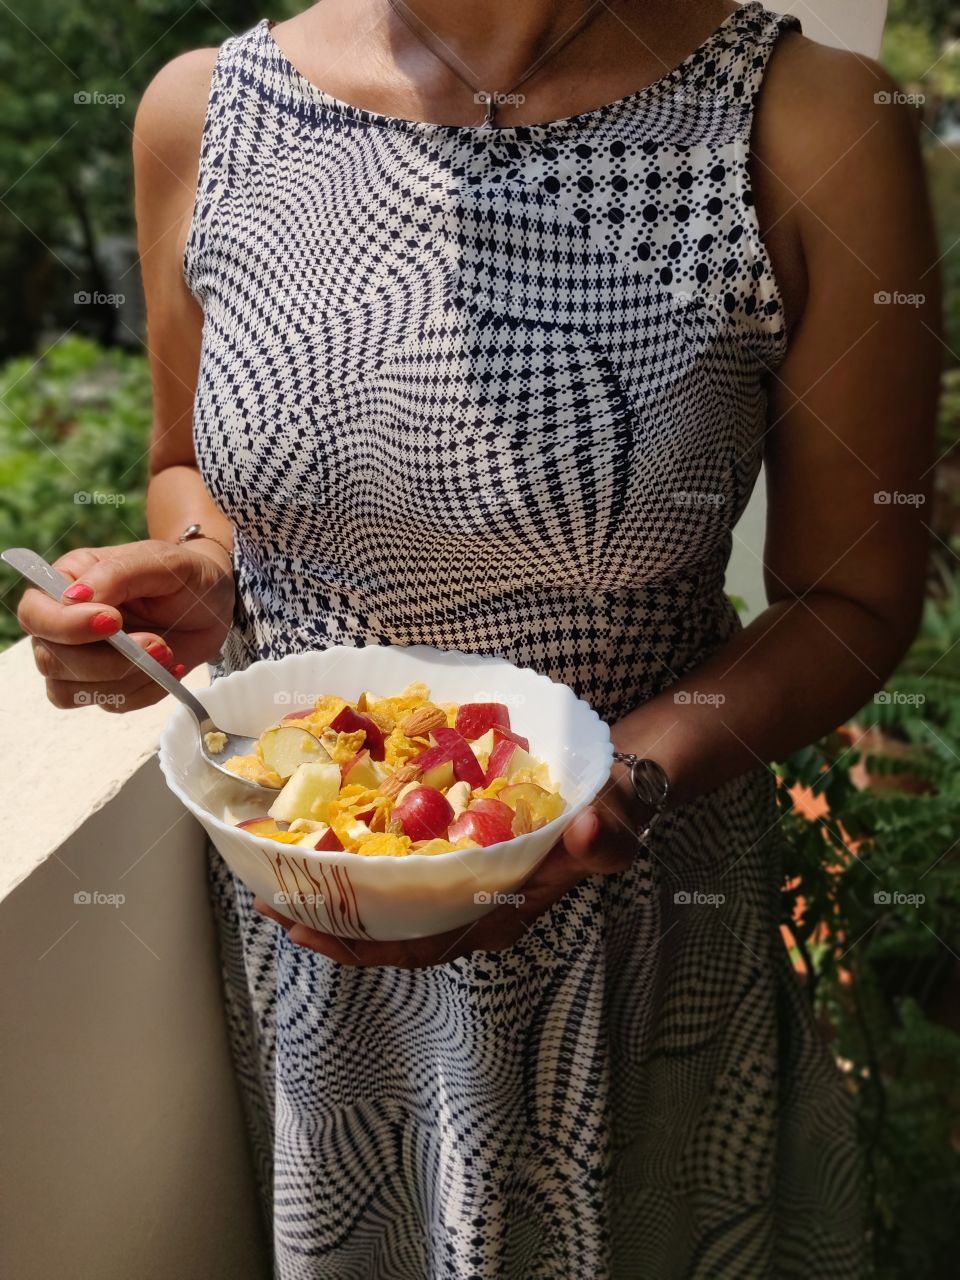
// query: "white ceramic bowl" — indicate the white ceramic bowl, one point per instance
point(382, 897)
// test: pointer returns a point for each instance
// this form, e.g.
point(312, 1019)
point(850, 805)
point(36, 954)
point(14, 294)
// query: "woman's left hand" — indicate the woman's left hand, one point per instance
point(600, 841)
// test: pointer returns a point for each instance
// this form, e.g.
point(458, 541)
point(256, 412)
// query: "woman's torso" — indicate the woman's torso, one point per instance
point(493, 391)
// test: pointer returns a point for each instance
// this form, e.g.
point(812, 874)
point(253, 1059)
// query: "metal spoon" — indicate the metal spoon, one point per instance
point(43, 575)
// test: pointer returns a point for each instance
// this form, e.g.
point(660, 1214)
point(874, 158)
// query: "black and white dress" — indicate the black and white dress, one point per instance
point(504, 391)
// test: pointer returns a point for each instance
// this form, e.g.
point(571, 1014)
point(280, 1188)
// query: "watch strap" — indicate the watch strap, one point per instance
point(651, 786)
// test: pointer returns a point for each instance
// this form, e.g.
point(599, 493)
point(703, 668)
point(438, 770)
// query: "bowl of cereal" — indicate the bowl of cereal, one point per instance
point(413, 789)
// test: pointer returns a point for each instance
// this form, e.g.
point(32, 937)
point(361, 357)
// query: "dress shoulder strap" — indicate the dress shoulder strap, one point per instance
point(741, 63)
point(216, 144)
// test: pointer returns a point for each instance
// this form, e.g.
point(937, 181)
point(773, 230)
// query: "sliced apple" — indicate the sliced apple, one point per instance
point(483, 748)
point(286, 746)
point(348, 721)
point(362, 771)
point(499, 732)
point(308, 792)
point(506, 759)
point(486, 821)
point(440, 776)
point(296, 715)
point(475, 718)
point(424, 813)
point(261, 826)
point(466, 767)
point(329, 840)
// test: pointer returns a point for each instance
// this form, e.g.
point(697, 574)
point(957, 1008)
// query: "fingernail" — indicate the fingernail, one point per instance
point(104, 624)
point(179, 670)
point(161, 652)
point(80, 591)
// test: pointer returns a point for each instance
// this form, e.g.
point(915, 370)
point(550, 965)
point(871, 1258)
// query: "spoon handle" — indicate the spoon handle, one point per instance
point(36, 570)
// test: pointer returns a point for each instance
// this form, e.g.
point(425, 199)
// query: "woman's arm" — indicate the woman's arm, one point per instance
point(166, 149)
point(174, 600)
point(851, 417)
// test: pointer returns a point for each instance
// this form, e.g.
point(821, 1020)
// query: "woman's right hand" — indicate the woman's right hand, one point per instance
point(175, 600)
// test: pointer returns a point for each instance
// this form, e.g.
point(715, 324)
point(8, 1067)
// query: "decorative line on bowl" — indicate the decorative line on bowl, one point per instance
point(341, 914)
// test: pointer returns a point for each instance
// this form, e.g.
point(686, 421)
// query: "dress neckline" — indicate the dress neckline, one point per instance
point(303, 87)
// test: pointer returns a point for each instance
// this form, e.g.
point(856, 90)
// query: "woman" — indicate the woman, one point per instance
point(507, 389)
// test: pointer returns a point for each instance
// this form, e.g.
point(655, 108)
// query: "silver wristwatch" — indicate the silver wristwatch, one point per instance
point(651, 786)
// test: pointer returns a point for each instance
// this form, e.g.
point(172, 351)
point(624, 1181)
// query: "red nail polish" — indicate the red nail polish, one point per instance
point(80, 591)
point(179, 670)
point(161, 652)
point(104, 624)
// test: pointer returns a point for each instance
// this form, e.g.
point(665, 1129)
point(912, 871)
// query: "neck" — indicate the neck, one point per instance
point(498, 40)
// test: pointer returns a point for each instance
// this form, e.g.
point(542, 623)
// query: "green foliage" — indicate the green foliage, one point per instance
point(874, 906)
point(65, 163)
point(943, 176)
point(74, 428)
point(919, 47)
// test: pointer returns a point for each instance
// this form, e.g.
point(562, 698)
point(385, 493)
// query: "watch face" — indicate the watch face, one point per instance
point(650, 782)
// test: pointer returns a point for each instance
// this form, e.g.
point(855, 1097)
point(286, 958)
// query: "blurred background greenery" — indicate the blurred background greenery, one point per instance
point(870, 813)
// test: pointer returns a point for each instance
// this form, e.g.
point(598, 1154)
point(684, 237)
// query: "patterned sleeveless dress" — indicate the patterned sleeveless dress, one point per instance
point(504, 392)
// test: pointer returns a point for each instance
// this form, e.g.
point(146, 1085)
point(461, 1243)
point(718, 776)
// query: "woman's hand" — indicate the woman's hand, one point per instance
point(600, 841)
point(176, 601)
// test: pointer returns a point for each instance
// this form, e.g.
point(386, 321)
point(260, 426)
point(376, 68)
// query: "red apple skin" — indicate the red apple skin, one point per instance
point(296, 715)
point(251, 824)
point(329, 840)
point(496, 808)
point(500, 733)
point(481, 825)
point(499, 760)
point(432, 756)
point(475, 718)
point(347, 769)
point(348, 721)
point(466, 766)
point(424, 814)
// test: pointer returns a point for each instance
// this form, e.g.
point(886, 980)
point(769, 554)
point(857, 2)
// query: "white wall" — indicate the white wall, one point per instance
point(123, 1150)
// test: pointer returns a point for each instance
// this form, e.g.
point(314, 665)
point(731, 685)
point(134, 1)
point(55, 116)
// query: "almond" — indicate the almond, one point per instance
point(419, 723)
point(399, 778)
